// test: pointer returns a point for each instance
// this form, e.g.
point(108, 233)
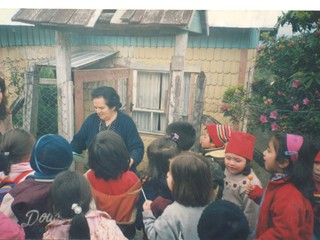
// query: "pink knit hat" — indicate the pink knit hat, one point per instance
point(219, 134)
point(241, 144)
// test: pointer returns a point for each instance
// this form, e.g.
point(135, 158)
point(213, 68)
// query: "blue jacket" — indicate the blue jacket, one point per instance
point(124, 126)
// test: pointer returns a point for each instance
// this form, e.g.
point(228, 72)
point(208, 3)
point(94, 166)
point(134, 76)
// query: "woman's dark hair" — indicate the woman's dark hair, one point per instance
point(159, 152)
point(108, 156)
point(300, 172)
point(4, 111)
point(70, 188)
point(110, 96)
point(192, 179)
point(16, 145)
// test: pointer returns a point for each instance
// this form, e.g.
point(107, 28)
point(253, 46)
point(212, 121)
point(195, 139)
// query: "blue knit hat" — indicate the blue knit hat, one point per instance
point(51, 155)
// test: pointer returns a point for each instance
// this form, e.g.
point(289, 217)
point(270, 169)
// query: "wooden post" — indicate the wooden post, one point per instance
point(177, 77)
point(31, 100)
point(198, 108)
point(64, 85)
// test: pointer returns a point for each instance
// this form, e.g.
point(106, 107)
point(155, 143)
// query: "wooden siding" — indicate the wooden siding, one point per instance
point(219, 38)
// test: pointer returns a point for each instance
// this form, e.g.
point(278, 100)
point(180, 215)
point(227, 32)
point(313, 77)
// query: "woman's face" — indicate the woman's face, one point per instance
point(104, 112)
point(235, 164)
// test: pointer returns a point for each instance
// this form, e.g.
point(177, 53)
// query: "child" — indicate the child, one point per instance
point(159, 152)
point(190, 182)
point(316, 178)
point(222, 219)
point(15, 150)
point(183, 133)
point(212, 141)
point(285, 210)
point(71, 197)
point(239, 155)
point(115, 189)
point(29, 202)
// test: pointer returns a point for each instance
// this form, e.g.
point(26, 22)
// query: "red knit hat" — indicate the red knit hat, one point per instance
point(219, 134)
point(241, 144)
point(317, 159)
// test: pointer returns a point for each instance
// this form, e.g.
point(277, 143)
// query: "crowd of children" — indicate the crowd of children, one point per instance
point(211, 194)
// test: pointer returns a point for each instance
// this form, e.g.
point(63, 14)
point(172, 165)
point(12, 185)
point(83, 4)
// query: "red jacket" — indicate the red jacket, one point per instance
point(284, 213)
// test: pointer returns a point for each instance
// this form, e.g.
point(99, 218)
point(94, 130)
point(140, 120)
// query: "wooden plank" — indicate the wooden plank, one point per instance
point(127, 15)
point(45, 15)
point(176, 17)
point(152, 17)
point(136, 18)
point(62, 16)
point(81, 17)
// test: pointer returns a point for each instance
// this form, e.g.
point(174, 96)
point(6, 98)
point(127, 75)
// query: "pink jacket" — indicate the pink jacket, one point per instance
point(9, 229)
point(101, 226)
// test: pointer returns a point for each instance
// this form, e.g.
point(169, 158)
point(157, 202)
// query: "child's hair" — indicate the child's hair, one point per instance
point(71, 197)
point(16, 145)
point(192, 180)
point(4, 111)
point(108, 155)
point(222, 219)
point(159, 152)
point(300, 160)
point(183, 133)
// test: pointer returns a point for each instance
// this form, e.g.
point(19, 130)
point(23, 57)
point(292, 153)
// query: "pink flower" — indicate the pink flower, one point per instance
point(274, 126)
point(259, 48)
point(306, 101)
point(295, 84)
point(273, 114)
point(296, 107)
point(279, 93)
point(267, 101)
point(224, 107)
point(263, 119)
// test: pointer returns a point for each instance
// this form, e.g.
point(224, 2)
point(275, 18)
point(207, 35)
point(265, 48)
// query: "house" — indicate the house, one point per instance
point(167, 65)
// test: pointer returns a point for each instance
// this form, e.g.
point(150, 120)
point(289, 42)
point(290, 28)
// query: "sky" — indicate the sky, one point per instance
point(167, 4)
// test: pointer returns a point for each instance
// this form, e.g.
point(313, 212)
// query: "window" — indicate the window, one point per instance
point(150, 100)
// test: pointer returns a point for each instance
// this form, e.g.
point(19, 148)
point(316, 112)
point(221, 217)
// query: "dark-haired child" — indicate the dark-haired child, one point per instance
point(29, 202)
point(115, 189)
point(238, 174)
point(223, 220)
point(183, 133)
point(71, 198)
point(15, 150)
point(190, 181)
point(286, 211)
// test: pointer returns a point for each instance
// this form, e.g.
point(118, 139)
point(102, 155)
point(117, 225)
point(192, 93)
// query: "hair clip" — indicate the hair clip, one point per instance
point(290, 153)
point(174, 137)
point(76, 208)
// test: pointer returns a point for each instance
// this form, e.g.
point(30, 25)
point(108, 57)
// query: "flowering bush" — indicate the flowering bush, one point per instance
point(286, 89)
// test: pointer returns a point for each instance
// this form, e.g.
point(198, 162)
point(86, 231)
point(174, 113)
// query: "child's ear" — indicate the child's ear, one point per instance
point(284, 164)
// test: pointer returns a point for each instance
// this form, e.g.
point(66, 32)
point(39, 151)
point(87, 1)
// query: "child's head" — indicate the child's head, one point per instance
point(190, 180)
point(16, 146)
point(108, 155)
point(159, 152)
point(239, 153)
point(183, 133)
point(51, 155)
point(292, 155)
point(222, 219)
point(71, 197)
point(316, 168)
point(215, 136)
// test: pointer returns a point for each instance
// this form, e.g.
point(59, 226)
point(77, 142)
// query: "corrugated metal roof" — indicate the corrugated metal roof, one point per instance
point(243, 19)
point(82, 59)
